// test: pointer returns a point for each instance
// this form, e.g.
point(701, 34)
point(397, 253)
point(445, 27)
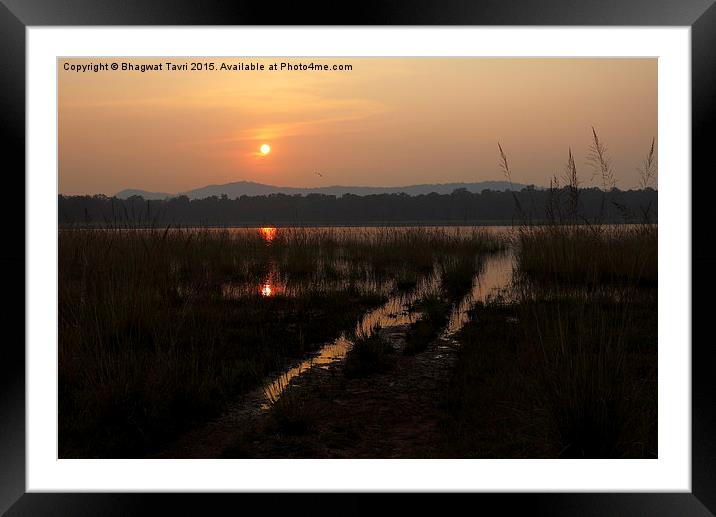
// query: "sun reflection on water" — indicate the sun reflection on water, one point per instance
point(268, 233)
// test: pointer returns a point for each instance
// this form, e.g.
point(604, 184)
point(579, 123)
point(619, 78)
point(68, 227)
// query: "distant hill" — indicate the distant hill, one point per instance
point(129, 192)
point(250, 188)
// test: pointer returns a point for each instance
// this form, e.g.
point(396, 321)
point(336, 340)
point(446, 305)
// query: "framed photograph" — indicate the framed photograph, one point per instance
point(445, 249)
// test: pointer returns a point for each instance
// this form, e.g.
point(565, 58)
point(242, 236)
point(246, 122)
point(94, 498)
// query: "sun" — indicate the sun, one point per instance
point(265, 149)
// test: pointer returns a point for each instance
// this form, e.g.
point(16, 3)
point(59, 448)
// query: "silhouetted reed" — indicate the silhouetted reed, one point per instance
point(567, 366)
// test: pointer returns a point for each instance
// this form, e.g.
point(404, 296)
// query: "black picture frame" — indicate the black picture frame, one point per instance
point(17, 15)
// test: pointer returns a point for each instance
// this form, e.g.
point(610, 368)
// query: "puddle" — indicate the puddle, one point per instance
point(493, 280)
point(396, 311)
point(495, 275)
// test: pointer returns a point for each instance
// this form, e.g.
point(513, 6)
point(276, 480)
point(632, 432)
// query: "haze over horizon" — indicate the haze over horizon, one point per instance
point(387, 122)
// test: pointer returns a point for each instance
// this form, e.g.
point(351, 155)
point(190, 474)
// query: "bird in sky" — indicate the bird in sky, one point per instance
point(318, 173)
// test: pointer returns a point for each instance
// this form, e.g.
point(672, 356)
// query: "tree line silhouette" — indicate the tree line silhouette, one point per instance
point(529, 205)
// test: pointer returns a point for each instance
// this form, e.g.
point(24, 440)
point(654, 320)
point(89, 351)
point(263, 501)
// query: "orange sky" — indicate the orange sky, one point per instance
point(387, 122)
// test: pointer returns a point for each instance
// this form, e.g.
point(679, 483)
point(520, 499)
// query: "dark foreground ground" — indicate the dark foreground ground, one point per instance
point(396, 414)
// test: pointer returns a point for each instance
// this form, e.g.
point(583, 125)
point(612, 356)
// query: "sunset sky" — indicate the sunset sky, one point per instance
point(386, 122)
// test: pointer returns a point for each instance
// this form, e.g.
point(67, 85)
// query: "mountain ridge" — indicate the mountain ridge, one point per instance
point(251, 188)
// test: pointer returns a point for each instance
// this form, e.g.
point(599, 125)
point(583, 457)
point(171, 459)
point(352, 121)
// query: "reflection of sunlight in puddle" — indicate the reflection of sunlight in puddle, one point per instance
point(274, 283)
point(271, 285)
point(267, 288)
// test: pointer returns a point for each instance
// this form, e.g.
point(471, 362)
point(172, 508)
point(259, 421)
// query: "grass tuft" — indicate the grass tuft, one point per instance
point(371, 354)
point(435, 312)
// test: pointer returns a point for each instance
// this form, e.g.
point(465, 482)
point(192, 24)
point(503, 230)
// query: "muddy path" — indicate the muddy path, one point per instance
point(390, 415)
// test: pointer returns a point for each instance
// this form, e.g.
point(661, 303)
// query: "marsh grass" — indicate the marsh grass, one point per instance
point(589, 372)
point(458, 272)
point(589, 255)
point(567, 369)
point(150, 344)
point(406, 280)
